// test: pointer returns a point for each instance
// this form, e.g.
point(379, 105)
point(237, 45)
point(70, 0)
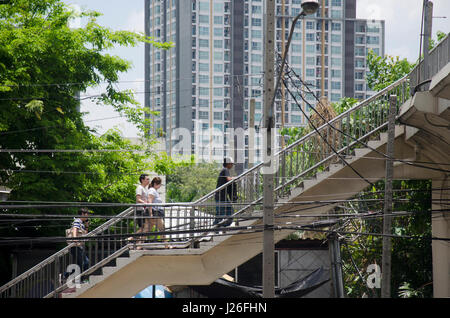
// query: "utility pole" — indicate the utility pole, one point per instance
point(322, 57)
point(283, 53)
point(268, 234)
point(387, 219)
point(251, 134)
point(308, 7)
point(336, 265)
point(427, 34)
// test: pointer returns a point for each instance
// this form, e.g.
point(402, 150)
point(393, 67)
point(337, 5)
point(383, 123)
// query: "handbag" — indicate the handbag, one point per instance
point(69, 234)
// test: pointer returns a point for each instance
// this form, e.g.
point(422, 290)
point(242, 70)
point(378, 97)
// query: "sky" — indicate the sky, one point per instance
point(402, 22)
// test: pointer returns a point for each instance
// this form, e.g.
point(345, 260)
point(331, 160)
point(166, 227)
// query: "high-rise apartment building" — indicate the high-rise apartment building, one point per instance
point(202, 87)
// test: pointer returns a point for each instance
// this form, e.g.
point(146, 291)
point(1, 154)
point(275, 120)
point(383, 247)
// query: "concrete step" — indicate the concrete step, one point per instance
point(95, 279)
point(108, 270)
point(334, 167)
point(310, 182)
point(361, 152)
point(122, 261)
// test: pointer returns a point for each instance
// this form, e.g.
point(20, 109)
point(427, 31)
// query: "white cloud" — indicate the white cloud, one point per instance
point(402, 22)
point(75, 23)
point(136, 21)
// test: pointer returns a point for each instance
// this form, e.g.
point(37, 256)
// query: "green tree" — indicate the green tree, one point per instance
point(44, 67)
point(190, 181)
point(411, 258)
point(383, 71)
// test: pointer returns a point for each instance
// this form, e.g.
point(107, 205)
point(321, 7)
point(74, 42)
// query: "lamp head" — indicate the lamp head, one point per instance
point(310, 6)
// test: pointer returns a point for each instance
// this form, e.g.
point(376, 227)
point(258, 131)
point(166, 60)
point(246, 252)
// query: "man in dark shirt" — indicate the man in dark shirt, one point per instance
point(223, 206)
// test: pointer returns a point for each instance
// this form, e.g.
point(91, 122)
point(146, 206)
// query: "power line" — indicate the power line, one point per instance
point(340, 131)
point(243, 230)
point(117, 82)
point(168, 206)
point(156, 91)
point(363, 233)
point(323, 138)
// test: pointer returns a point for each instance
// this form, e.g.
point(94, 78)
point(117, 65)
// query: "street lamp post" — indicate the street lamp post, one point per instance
point(308, 7)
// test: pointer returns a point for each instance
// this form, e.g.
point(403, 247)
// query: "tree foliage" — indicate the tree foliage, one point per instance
point(45, 68)
point(383, 71)
point(190, 181)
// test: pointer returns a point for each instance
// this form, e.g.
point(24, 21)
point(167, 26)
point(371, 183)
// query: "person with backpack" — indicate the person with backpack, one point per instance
point(224, 197)
point(80, 227)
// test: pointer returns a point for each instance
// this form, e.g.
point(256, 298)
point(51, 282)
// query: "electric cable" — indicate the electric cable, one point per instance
point(323, 138)
point(355, 139)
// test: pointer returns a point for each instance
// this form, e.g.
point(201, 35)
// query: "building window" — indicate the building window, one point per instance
point(359, 87)
point(359, 75)
point(218, 92)
point(310, 49)
point(203, 30)
point(336, 14)
point(335, 97)
point(296, 119)
point(335, 26)
point(359, 63)
point(257, 34)
point(203, 6)
point(256, 9)
point(218, 32)
point(203, 79)
point(336, 61)
point(360, 39)
point(203, 115)
point(360, 51)
point(203, 18)
point(203, 55)
point(203, 43)
point(336, 50)
point(336, 85)
point(335, 73)
point(336, 3)
point(256, 22)
point(257, 46)
point(203, 91)
point(218, 7)
point(373, 40)
point(336, 38)
point(203, 67)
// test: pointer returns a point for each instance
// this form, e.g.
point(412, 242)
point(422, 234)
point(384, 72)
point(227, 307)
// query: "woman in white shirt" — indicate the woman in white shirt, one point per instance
point(156, 211)
point(142, 212)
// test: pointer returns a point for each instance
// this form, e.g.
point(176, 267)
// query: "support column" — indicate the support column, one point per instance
point(440, 223)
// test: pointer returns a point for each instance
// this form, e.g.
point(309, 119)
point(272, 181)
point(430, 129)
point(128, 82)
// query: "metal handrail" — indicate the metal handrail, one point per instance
point(62, 252)
point(307, 136)
point(438, 57)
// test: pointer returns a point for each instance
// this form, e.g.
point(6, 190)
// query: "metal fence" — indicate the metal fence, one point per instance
point(439, 56)
point(187, 223)
point(102, 245)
